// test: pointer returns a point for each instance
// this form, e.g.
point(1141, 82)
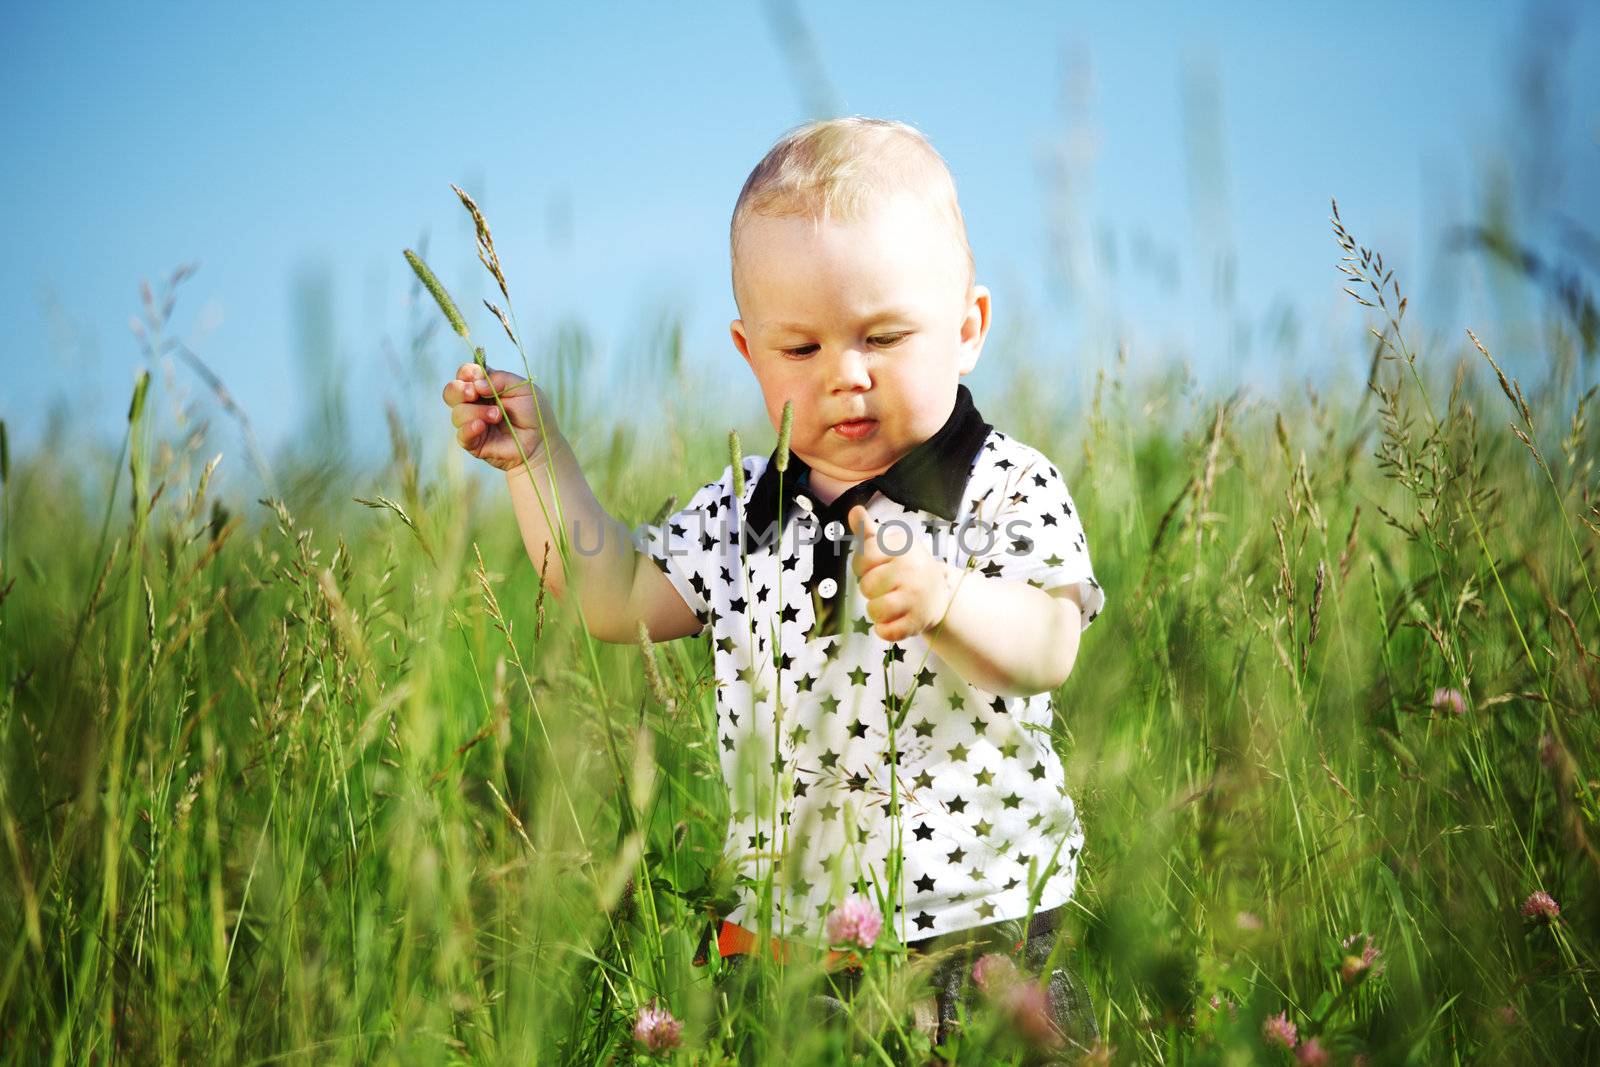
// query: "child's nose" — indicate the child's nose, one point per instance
point(852, 370)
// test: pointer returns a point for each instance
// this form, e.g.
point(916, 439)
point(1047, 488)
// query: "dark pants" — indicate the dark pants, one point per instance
point(1070, 1008)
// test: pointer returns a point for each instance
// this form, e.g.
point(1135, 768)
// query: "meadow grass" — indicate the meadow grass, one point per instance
point(300, 780)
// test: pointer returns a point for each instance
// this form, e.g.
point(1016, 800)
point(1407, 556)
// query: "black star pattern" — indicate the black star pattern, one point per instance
point(990, 479)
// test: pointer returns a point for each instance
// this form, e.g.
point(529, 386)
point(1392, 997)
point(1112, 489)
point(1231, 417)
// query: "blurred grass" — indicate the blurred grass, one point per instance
point(302, 780)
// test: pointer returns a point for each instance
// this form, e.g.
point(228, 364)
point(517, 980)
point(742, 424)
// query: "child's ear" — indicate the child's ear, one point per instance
point(974, 328)
point(740, 341)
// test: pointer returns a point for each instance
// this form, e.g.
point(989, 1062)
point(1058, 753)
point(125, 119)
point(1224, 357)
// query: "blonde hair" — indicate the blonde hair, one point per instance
point(833, 169)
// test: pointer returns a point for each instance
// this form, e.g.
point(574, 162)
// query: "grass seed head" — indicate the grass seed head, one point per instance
point(442, 298)
point(505, 323)
point(735, 457)
point(486, 253)
point(783, 435)
point(141, 389)
point(652, 670)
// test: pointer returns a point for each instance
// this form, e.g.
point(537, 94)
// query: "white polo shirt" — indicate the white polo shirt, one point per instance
point(805, 686)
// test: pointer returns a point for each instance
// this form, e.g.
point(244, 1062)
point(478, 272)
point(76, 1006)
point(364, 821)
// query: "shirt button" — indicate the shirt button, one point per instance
point(834, 530)
point(827, 587)
point(804, 502)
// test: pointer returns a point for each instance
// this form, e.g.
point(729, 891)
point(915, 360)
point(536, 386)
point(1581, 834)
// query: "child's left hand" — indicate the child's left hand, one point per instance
point(907, 593)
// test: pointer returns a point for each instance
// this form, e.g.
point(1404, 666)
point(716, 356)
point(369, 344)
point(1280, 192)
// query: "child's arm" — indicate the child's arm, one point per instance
point(1012, 626)
point(1005, 637)
point(617, 586)
point(1008, 638)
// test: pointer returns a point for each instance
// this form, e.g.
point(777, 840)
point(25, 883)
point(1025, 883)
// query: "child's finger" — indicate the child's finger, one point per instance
point(870, 554)
point(861, 523)
point(462, 414)
point(456, 391)
point(505, 383)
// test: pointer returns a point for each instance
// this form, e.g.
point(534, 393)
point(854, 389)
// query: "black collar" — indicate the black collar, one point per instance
point(931, 477)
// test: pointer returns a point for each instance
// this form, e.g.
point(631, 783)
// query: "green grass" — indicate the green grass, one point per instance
point(306, 782)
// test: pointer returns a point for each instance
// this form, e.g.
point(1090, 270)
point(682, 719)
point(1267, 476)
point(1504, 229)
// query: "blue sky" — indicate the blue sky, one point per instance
point(289, 145)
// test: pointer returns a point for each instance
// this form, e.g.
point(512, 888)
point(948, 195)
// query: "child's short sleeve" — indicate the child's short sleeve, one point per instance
point(689, 546)
point(1031, 531)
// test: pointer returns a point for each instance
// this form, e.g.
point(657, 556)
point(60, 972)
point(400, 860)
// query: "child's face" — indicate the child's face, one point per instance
point(864, 319)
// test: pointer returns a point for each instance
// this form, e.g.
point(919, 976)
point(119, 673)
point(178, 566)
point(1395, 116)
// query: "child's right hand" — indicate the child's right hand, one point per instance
point(479, 426)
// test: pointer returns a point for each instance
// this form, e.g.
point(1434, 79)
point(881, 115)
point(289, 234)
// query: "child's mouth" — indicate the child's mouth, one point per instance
point(855, 429)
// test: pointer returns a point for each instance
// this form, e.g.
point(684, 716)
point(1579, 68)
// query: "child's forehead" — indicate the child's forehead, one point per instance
point(889, 246)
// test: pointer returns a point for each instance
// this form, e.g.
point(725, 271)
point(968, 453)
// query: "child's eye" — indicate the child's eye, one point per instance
point(802, 350)
point(887, 340)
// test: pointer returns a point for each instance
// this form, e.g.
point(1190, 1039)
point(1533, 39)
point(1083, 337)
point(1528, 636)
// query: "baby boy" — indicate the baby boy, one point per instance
point(886, 723)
